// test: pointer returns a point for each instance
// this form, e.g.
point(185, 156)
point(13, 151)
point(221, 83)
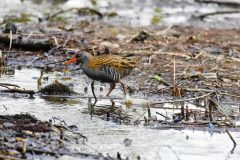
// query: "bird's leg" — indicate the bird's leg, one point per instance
point(123, 86)
point(113, 104)
point(92, 87)
point(92, 106)
point(112, 86)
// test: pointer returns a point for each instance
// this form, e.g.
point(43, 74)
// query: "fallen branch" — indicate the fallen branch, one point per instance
point(202, 16)
point(221, 2)
point(8, 84)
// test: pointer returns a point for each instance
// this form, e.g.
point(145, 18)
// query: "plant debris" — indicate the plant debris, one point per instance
point(25, 137)
point(57, 88)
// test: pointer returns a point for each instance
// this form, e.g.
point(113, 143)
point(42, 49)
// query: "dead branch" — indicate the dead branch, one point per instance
point(8, 84)
point(202, 16)
point(221, 2)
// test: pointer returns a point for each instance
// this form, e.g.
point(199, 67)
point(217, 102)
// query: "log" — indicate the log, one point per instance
point(25, 43)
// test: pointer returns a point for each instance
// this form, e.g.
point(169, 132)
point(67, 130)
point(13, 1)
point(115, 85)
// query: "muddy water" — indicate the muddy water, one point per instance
point(107, 137)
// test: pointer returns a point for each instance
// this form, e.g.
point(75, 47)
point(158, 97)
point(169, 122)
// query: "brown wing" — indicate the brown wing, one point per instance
point(117, 62)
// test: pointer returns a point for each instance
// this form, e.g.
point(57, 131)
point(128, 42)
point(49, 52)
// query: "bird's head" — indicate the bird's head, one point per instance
point(79, 58)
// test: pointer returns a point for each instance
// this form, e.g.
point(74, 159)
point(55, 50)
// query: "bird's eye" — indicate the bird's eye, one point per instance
point(77, 56)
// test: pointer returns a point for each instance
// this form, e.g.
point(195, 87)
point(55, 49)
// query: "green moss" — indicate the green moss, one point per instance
point(58, 19)
point(156, 19)
point(111, 14)
point(94, 2)
point(157, 10)
point(24, 18)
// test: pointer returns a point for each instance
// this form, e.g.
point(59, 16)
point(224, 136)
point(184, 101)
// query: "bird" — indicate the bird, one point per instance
point(106, 68)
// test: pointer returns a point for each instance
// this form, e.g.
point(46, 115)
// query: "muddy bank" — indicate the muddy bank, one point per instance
point(25, 137)
point(181, 97)
point(206, 61)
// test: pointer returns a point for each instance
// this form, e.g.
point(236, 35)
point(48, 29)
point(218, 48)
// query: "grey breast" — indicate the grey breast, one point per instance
point(106, 73)
point(99, 74)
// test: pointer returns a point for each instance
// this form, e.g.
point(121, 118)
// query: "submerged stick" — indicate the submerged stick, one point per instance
point(5, 107)
point(183, 100)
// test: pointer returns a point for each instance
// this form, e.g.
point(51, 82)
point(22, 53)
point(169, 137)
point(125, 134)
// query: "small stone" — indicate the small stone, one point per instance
point(127, 142)
point(8, 125)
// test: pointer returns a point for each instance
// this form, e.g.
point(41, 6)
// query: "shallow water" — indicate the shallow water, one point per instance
point(107, 137)
point(133, 12)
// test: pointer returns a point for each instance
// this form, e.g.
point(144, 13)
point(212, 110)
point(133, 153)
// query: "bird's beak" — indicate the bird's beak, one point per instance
point(70, 61)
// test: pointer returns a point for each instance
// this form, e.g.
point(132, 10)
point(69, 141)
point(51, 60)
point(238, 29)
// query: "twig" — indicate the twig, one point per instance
point(183, 100)
point(5, 107)
point(71, 9)
point(198, 90)
point(141, 116)
point(216, 13)
point(8, 84)
point(61, 121)
point(162, 115)
point(147, 53)
point(59, 12)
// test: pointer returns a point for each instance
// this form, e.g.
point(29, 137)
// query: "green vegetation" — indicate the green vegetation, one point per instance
point(156, 19)
point(94, 2)
point(24, 18)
